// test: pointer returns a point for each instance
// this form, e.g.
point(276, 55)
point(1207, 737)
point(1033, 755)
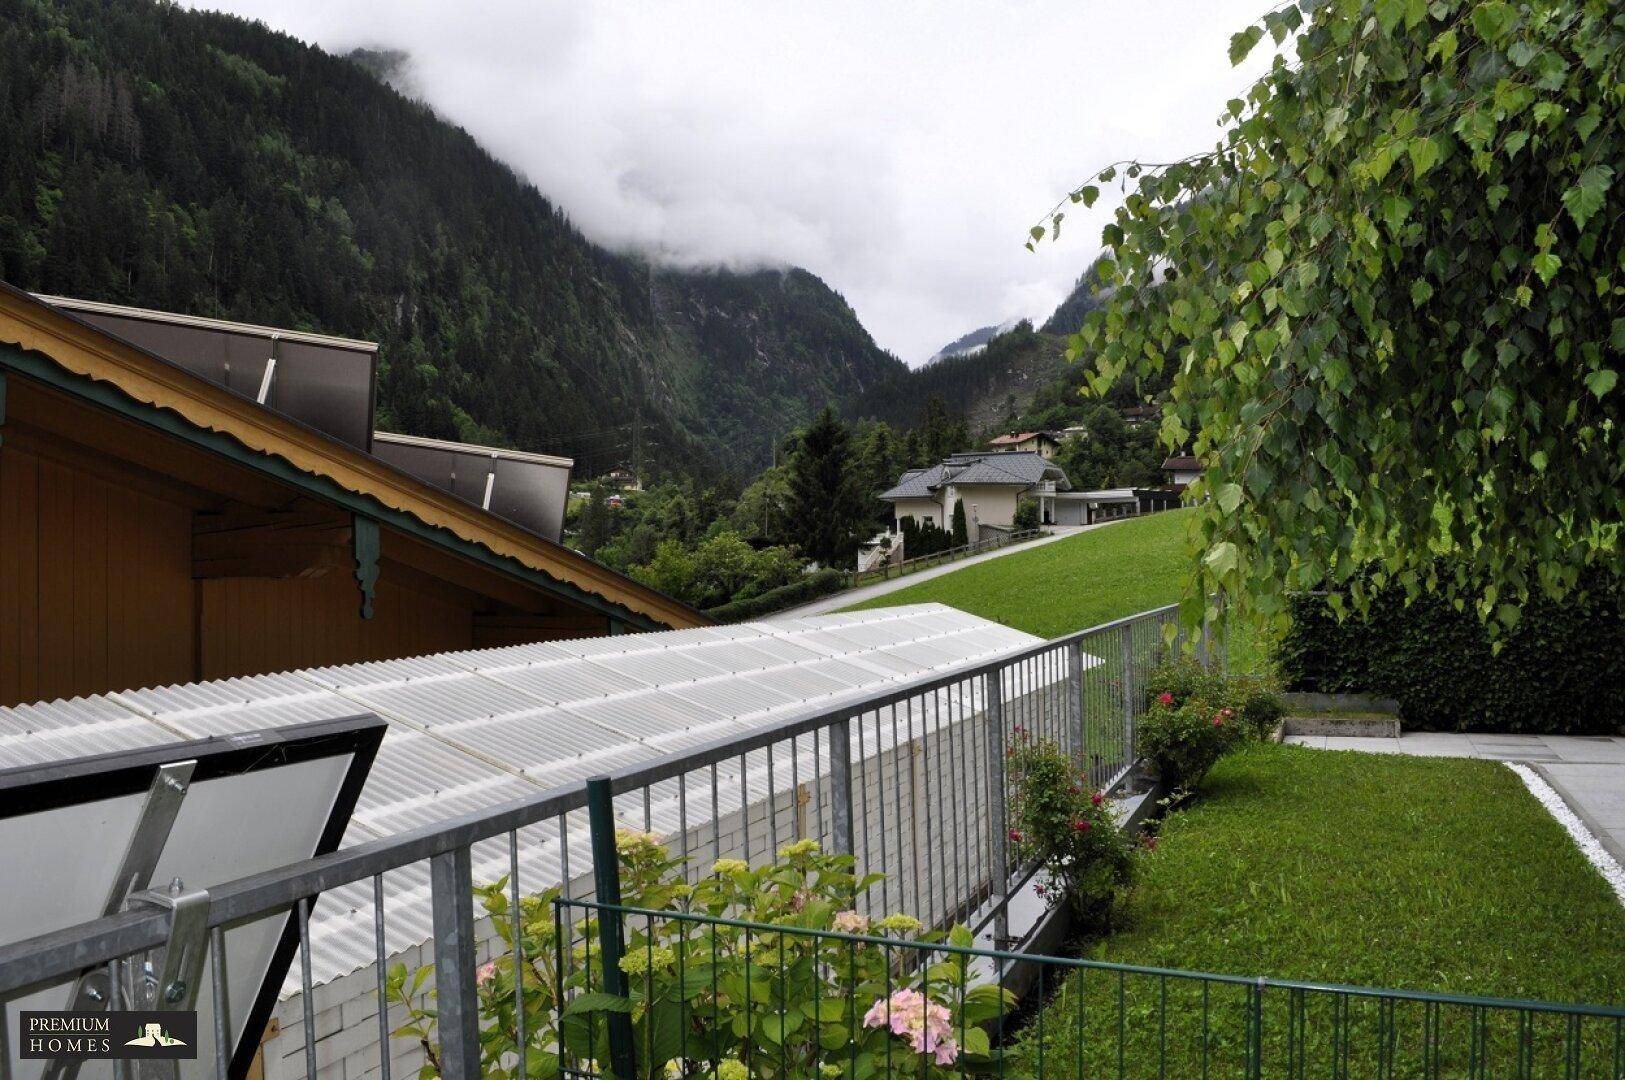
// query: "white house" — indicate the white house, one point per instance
point(1182, 469)
point(990, 485)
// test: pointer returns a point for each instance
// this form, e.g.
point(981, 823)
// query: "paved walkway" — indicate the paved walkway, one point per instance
point(881, 588)
point(1587, 771)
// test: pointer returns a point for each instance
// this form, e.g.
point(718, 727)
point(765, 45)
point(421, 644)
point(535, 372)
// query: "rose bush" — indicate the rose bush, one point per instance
point(1183, 739)
point(1066, 827)
point(1255, 699)
point(1193, 716)
point(715, 1000)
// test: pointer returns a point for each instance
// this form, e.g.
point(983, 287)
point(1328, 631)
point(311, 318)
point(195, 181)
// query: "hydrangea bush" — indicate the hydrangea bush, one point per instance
point(1065, 827)
point(716, 1000)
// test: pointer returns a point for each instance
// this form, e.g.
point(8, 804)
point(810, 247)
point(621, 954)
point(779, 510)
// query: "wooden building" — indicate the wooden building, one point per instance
point(157, 527)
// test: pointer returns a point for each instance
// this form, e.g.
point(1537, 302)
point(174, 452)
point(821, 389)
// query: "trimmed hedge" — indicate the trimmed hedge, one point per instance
point(818, 583)
point(1561, 670)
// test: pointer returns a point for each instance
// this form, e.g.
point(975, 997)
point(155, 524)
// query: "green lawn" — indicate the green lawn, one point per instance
point(1072, 584)
point(1416, 873)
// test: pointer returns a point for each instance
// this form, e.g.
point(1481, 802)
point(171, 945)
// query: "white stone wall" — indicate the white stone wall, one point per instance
point(934, 784)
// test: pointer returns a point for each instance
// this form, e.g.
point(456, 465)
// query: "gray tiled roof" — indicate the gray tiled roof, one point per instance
point(916, 484)
point(1014, 469)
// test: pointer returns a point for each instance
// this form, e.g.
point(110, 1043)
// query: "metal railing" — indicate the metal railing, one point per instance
point(910, 782)
point(887, 570)
point(1086, 1017)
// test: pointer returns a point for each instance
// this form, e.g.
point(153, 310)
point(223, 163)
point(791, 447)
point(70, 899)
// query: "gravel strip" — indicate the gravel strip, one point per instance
point(1593, 850)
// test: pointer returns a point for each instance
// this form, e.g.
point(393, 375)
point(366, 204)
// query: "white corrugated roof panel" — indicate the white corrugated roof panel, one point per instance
point(476, 729)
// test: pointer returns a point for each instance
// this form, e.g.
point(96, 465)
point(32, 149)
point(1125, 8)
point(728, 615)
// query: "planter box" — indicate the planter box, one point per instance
point(1302, 701)
point(1376, 727)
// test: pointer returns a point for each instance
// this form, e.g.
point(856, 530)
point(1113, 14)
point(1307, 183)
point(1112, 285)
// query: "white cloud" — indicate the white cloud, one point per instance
point(898, 150)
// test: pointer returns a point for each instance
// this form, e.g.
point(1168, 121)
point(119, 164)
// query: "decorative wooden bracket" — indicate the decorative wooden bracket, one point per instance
point(367, 549)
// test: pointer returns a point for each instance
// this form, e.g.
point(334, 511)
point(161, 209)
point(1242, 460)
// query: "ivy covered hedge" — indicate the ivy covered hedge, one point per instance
point(1560, 670)
point(810, 587)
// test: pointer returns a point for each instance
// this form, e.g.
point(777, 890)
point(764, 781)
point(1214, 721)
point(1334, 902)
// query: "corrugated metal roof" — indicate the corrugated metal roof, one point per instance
point(472, 730)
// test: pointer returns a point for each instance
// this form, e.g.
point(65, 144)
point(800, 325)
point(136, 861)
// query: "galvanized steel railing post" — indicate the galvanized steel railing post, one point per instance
point(1204, 643)
point(606, 877)
point(998, 819)
point(1074, 702)
point(1128, 694)
point(451, 890)
point(840, 779)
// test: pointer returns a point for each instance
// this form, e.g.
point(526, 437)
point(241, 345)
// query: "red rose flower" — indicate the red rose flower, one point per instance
point(1218, 721)
point(1166, 698)
point(1015, 834)
point(1097, 798)
point(1080, 825)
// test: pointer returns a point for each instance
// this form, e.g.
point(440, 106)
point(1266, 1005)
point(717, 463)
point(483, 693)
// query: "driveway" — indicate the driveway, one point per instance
point(881, 588)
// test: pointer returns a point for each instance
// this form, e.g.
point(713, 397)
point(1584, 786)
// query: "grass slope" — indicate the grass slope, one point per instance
point(1068, 585)
point(1404, 872)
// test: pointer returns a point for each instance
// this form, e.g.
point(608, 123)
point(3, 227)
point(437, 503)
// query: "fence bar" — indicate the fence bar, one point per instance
point(222, 1002)
point(451, 891)
point(840, 773)
point(606, 871)
point(1074, 702)
point(997, 822)
point(1128, 695)
point(380, 972)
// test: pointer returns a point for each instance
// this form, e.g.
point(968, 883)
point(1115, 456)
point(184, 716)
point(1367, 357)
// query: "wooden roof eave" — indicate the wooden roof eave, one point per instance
point(34, 329)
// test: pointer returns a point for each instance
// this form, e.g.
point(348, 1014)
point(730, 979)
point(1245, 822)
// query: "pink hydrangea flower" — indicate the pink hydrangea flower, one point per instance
point(926, 1025)
point(485, 974)
point(850, 922)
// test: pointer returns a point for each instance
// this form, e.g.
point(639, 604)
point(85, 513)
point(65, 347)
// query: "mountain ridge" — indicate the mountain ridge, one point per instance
point(197, 162)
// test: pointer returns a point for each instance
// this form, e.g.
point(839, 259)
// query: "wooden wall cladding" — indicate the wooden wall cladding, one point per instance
point(254, 625)
point(96, 587)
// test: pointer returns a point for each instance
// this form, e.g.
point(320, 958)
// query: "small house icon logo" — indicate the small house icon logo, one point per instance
point(107, 1033)
point(154, 1035)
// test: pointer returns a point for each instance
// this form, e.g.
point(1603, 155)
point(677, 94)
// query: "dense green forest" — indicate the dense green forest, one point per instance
point(199, 163)
point(988, 386)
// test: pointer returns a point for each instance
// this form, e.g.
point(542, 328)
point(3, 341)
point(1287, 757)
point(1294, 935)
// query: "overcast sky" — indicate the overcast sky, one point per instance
point(899, 150)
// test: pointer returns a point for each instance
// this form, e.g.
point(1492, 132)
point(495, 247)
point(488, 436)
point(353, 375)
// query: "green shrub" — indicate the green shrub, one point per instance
point(1194, 715)
point(1066, 827)
point(1559, 670)
point(1254, 699)
point(1026, 516)
point(714, 1000)
point(1183, 739)
point(807, 588)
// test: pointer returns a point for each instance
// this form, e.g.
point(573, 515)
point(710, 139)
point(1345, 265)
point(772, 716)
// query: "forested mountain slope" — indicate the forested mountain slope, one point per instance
point(199, 163)
point(987, 386)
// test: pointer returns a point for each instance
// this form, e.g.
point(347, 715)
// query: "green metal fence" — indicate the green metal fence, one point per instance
point(698, 993)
